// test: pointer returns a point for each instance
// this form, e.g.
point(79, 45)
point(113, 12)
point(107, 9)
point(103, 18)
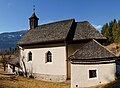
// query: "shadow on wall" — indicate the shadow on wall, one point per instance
point(118, 68)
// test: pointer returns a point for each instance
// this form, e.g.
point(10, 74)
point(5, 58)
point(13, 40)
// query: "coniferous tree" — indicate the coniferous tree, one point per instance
point(111, 31)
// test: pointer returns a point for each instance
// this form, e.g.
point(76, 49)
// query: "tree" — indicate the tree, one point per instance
point(105, 26)
point(111, 31)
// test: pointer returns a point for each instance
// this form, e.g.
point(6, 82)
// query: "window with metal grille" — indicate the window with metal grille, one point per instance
point(30, 56)
point(48, 56)
point(92, 74)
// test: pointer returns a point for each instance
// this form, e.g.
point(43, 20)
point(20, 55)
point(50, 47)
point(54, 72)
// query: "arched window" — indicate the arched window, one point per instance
point(30, 56)
point(48, 56)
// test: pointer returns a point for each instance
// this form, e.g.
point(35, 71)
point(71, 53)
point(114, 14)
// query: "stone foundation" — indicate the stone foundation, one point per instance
point(53, 78)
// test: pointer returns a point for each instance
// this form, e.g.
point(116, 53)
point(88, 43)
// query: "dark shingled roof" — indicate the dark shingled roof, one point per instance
point(47, 32)
point(84, 30)
point(66, 30)
point(92, 50)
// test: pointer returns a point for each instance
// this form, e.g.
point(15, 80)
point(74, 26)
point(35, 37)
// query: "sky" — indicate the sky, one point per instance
point(14, 14)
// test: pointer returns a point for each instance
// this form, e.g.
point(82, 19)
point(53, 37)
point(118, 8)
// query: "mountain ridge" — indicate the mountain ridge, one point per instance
point(9, 39)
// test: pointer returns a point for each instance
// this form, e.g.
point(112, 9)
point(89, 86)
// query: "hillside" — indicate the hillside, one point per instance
point(9, 39)
point(115, 48)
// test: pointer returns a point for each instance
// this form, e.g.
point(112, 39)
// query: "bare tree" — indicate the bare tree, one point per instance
point(4, 61)
point(24, 66)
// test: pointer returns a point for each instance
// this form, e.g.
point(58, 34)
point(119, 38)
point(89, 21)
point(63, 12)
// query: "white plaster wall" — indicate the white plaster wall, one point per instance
point(39, 65)
point(80, 74)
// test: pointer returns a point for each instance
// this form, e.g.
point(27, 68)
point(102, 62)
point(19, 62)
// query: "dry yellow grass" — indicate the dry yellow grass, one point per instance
point(10, 81)
point(21, 82)
point(98, 86)
point(115, 48)
point(7, 56)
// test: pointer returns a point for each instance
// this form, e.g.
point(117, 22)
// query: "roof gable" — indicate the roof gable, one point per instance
point(92, 50)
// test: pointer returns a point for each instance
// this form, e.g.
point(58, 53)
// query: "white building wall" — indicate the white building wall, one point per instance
point(80, 74)
point(55, 70)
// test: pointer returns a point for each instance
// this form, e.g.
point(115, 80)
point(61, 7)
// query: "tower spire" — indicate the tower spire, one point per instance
point(33, 20)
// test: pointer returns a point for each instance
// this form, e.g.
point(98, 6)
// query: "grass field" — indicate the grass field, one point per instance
point(21, 82)
point(6, 57)
point(10, 81)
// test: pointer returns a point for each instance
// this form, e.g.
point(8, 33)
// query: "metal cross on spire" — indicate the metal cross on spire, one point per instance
point(33, 8)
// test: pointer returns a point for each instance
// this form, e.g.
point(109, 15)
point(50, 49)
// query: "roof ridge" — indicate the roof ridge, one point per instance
point(72, 19)
point(76, 51)
point(103, 47)
point(83, 21)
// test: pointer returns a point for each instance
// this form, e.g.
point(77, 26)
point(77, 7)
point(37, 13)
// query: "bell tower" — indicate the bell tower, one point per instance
point(33, 20)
